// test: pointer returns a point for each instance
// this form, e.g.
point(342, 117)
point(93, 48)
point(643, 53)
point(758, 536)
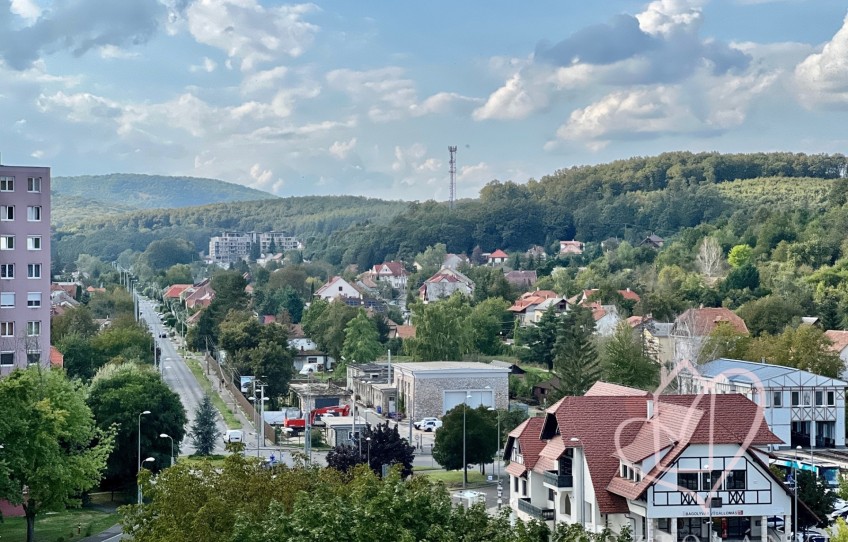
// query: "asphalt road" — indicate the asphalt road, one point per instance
point(178, 376)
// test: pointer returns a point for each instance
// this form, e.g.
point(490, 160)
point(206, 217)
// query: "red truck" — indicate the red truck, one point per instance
point(298, 425)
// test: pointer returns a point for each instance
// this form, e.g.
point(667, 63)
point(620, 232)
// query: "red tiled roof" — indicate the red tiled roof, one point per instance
point(702, 321)
point(838, 338)
point(635, 321)
point(498, 254)
point(57, 359)
point(405, 332)
point(630, 294)
point(529, 443)
point(608, 389)
point(175, 290)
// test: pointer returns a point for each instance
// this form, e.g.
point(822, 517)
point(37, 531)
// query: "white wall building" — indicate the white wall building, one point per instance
point(338, 287)
point(620, 457)
point(801, 408)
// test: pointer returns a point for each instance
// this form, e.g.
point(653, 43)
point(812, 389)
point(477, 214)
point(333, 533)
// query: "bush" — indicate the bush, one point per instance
point(316, 438)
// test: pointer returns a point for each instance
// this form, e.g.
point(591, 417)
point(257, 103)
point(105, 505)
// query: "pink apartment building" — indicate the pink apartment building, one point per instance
point(24, 267)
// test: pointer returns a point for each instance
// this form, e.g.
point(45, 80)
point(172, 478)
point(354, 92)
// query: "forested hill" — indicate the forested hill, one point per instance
point(305, 217)
point(75, 198)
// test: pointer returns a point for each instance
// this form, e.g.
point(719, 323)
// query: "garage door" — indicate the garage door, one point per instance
point(454, 398)
point(321, 402)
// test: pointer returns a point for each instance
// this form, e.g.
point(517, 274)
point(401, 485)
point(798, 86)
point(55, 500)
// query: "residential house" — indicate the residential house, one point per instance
point(392, 272)
point(498, 257)
point(801, 408)
point(514, 369)
point(658, 338)
point(526, 307)
point(559, 304)
point(839, 345)
point(443, 284)
point(199, 295)
point(174, 291)
point(543, 391)
point(584, 297)
point(24, 267)
point(312, 357)
point(454, 261)
point(653, 241)
point(400, 331)
point(692, 329)
point(571, 247)
point(606, 318)
point(521, 279)
point(338, 287)
point(431, 388)
point(537, 253)
point(613, 460)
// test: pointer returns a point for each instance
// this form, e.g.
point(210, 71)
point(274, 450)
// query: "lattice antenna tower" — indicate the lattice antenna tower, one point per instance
point(452, 151)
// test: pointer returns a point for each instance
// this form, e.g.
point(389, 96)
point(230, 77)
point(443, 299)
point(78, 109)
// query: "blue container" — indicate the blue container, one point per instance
point(379, 409)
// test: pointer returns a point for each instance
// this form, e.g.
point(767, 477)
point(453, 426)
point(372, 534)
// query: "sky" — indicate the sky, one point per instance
point(364, 98)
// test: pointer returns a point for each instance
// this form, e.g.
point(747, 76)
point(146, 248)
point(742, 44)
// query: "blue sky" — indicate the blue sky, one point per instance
point(365, 97)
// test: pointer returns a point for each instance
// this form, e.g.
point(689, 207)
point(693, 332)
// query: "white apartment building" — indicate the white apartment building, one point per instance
point(232, 247)
point(620, 457)
point(801, 408)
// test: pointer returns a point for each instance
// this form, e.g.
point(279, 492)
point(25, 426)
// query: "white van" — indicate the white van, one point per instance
point(234, 435)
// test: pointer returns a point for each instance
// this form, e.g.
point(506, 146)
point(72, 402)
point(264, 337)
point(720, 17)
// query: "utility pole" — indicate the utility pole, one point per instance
point(452, 151)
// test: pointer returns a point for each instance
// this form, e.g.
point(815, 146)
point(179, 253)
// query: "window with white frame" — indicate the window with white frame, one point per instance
point(7, 270)
point(831, 398)
point(819, 398)
point(7, 300)
point(33, 270)
point(34, 213)
point(33, 184)
point(776, 399)
point(33, 300)
point(7, 213)
point(7, 184)
point(34, 328)
point(34, 242)
point(7, 242)
point(796, 398)
point(33, 357)
point(7, 359)
point(7, 329)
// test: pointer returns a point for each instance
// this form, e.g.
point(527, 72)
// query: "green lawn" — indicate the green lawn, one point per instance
point(453, 478)
point(229, 418)
point(50, 527)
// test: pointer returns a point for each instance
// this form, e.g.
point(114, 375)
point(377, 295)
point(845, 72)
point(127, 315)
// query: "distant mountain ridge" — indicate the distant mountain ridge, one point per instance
point(138, 191)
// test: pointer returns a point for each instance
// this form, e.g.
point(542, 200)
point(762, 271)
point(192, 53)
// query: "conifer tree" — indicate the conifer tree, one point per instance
point(204, 430)
point(576, 363)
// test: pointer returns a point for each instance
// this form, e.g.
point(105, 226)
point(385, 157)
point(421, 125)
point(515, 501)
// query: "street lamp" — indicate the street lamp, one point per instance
point(368, 440)
point(709, 503)
point(464, 462)
point(795, 480)
point(497, 451)
point(165, 435)
point(144, 413)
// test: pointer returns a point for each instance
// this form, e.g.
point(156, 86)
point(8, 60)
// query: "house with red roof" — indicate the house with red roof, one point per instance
point(668, 467)
point(497, 257)
point(174, 291)
point(838, 342)
point(392, 272)
point(528, 308)
point(692, 328)
point(338, 287)
point(570, 247)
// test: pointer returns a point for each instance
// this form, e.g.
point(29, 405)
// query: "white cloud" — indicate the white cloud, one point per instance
point(263, 80)
point(669, 16)
point(822, 78)
point(251, 33)
point(109, 52)
point(514, 101)
point(25, 9)
point(341, 149)
point(207, 66)
point(443, 103)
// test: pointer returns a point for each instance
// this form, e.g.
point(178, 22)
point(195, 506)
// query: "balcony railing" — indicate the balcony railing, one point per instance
point(541, 513)
point(558, 480)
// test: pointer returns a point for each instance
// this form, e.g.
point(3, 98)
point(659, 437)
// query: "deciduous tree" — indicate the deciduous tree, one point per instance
point(479, 437)
point(361, 342)
point(627, 361)
point(441, 330)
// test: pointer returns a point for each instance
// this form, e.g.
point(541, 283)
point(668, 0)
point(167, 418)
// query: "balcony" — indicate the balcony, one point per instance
point(546, 514)
point(551, 477)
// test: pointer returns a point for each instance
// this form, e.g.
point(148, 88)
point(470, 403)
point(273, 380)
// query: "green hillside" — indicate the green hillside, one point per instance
point(152, 191)
point(782, 192)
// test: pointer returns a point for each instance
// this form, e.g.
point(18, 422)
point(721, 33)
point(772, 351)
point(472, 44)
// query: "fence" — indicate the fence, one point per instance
point(245, 405)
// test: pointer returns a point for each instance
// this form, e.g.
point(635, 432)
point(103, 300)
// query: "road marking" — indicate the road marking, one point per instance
point(116, 537)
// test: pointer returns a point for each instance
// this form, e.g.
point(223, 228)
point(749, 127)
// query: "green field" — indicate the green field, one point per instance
point(50, 527)
point(451, 478)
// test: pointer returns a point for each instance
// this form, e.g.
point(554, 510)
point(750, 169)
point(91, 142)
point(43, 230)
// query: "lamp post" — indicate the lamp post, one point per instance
point(368, 440)
point(498, 449)
point(260, 426)
point(144, 413)
point(147, 460)
point(464, 462)
point(165, 435)
point(795, 480)
point(709, 504)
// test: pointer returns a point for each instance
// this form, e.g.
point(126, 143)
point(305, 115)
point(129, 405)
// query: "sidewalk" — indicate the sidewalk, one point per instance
point(112, 534)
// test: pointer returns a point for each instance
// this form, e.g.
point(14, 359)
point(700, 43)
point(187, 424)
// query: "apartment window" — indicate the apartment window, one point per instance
point(664, 524)
point(7, 329)
point(7, 359)
point(34, 213)
point(819, 398)
point(796, 398)
point(7, 300)
point(524, 487)
point(7, 242)
point(735, 480)
point(7, 184)
point(776, 399)
point(34, 242)
point(551, 495)
point(515, 484)
point(33, 300)
point(33, 357)
point(688, 480)
point(34, 328)
point(7, 213)
point(831, 398)
point(34, 184)
point(807, 397)
point(566, 504)
point(33, 270)
point(7, 271)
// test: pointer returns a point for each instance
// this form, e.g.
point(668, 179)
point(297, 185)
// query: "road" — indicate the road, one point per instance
point(177, 375)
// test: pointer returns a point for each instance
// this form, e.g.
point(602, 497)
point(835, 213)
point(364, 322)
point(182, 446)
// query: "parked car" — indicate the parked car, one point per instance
point(234, 435)
point(428, 424)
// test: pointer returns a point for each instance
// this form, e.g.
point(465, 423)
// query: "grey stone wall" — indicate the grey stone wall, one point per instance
point(429, 394)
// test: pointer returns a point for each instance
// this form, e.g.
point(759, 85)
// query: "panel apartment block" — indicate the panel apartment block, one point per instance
point(24, 267)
